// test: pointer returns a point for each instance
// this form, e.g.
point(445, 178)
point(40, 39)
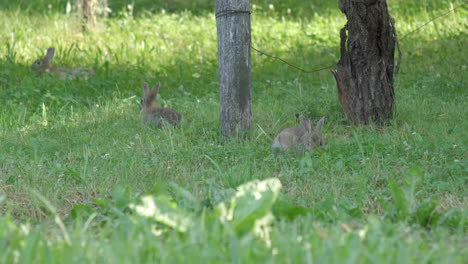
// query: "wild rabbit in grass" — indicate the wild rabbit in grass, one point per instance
point(300, 139)
point(154, 114)
point(45, 65)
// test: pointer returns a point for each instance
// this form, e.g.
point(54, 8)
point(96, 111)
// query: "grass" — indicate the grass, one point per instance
point(74, 154)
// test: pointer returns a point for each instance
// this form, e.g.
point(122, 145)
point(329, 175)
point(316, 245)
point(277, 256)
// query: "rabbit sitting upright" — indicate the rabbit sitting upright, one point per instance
point(45, 65)
point(154, 114)
point(300, 139)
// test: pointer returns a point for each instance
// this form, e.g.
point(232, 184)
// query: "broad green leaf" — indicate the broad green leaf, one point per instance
point(252, 202)
point(81, 210)
point(412, 179)
point(164, 211)
point(398, 195)
point(425, 214)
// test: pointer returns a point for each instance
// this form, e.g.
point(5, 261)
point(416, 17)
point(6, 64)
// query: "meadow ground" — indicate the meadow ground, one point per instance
point(74, 155)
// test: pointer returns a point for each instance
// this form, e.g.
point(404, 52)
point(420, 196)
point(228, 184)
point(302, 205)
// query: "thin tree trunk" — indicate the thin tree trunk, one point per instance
point(104, 8)
point(233, 25)
point(89, 18)
point(101, 7)
point(364, 75)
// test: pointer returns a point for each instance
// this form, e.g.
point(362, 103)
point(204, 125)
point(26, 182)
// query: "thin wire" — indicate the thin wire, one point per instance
point(228, 12)
point(231, 12)
point(289, 64)
point(442, 15)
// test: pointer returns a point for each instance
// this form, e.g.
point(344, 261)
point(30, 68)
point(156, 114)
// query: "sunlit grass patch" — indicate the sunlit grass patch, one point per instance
point(371, 194)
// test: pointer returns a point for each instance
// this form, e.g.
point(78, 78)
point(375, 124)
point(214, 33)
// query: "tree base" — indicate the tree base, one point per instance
point(364, 75)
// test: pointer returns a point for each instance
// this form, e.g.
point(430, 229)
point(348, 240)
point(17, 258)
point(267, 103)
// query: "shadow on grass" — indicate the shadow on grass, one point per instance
point(299, 9)
point(275, 8)
point(186, 80)
point(184, 77)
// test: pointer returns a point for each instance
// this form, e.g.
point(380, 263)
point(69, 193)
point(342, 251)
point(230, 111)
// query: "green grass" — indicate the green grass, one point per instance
point(75, 152)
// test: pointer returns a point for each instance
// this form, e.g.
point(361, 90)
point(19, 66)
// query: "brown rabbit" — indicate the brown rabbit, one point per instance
point(151, 113)
point(299, 139)
point(45, 65)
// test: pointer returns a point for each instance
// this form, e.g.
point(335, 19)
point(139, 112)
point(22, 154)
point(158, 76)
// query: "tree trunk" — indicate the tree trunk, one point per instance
point(101, 7)
point(364, 75)
point(233, 25)
point(89, 14)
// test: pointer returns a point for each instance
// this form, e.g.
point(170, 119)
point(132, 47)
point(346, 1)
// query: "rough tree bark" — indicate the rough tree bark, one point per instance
point(364, 75)
point(233, 25)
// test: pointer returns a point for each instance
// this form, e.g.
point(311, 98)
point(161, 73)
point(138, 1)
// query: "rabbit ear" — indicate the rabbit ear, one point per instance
point(146, 88)
point(305, 122)
point(50, 54)
point(156, 88)
point(319, 126)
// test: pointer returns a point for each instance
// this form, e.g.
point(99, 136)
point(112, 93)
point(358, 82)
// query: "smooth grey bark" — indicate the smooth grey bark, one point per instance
point(234, 58)
point(103, 8)
point(89, 9)
point(89, 14)
point(364, 75)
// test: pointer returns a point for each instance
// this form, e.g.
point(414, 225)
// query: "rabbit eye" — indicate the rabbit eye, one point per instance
point(38, 63)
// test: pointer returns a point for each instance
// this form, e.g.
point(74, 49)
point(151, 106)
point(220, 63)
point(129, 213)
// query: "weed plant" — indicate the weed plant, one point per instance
point(75, 160)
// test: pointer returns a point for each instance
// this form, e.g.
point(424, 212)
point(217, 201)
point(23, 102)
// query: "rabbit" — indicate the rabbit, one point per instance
point(45, 65)
point(154, 114)
point(300, 139)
